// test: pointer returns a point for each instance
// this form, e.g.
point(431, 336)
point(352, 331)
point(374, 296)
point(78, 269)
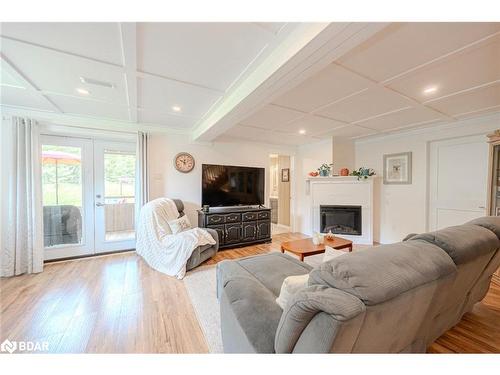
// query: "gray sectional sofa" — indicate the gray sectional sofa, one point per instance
point(395, 298)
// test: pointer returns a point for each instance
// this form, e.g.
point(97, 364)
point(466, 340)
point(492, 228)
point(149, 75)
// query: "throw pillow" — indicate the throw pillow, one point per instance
point(331, 253)
point(290, 286)
point(179, 225)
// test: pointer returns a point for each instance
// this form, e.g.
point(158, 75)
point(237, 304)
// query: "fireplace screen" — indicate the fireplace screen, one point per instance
point(341, 219)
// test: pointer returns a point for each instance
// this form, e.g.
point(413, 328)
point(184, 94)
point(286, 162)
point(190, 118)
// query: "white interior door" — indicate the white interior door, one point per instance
point(458, 181)
point(114, 171)
point(67, 191)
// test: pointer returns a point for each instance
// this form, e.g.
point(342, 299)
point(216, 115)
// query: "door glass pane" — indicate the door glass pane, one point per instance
point(119, 195)
point(62, 195)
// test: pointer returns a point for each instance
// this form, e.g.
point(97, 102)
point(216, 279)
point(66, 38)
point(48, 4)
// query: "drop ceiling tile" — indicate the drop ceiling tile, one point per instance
point(72, 105)
point(403, 46)
point(96, 40)
point(273, 27)
point(313, 125)
point(478, 113)
point(167, 119)
point(402, 118)
point(472, 67)
point(372, 102)
point(60, 73)
point(21, 97)
point(330, 84)
point(206, 53)
point(161, 94)
point(7, 79)
point(246, 133)
point(272, 116)
point(469, 101)
point(350, 131)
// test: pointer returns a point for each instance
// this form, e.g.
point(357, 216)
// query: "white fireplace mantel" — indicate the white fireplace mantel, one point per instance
point(347, 191)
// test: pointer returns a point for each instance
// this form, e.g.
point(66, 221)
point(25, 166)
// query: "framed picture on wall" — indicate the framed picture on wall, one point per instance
point(285, 175)
point(397, 168)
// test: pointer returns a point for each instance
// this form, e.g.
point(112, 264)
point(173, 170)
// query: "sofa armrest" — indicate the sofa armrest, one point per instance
point(214, 235)
point(305, 305)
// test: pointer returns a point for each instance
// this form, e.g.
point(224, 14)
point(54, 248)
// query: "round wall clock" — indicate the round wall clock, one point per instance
point(184, 162)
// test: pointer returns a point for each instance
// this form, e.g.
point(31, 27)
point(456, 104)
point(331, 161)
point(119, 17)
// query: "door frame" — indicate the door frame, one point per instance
point(87, 247)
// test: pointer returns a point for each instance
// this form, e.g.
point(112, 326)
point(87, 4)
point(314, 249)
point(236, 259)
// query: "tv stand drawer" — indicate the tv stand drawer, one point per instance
point(215, 219)
point(249, 216)
point(232, 218)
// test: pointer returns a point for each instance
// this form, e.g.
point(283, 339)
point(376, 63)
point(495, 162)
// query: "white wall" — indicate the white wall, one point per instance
point(403, 208)
point(309, 158)
point(167, 181)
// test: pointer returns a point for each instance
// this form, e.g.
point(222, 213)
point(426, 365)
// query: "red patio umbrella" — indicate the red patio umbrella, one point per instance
point(56, 157)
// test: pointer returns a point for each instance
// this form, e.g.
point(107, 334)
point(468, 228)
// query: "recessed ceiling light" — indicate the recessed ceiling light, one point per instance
point(176, 108)
point(82, 91)
point(430, 90)
point(302, 131)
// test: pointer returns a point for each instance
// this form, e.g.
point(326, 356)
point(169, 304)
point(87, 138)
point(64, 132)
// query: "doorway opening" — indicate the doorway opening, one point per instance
point(279, 193)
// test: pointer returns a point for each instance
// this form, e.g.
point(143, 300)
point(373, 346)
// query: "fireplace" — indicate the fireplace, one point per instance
point(340, 219)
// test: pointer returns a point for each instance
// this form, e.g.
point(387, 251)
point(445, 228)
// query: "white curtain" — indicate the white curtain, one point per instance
point(142, 173)
point(22, 230)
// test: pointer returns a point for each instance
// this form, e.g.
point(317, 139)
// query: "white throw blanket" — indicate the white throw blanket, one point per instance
point(162, 250)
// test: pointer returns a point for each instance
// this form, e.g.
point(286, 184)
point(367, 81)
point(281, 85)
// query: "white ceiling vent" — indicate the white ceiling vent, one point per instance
point(95, 82)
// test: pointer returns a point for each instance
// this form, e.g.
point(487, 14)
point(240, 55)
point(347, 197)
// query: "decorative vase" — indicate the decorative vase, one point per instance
point(323, 173)
point(344, 172)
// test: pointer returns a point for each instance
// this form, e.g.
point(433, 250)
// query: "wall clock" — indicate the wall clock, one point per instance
point(184, 162)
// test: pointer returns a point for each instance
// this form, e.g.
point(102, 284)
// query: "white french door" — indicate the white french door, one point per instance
point(88, 191)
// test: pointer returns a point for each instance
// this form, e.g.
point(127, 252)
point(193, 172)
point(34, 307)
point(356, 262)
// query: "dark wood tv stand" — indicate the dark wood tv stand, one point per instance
point(238, 226)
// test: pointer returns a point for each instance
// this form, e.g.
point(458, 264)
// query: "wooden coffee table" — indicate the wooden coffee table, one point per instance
point(305, 247)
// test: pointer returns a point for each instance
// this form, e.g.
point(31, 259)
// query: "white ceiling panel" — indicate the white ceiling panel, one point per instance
point(273, 27)
point(470, 101)
point(477, 113)
point(472, 67)
point(372, 102)
point(350, 131)
point(266, 136)
point(272, 116)
point(162, 94)
point(20, 97)
point(91, 108)
point(208, 54)
point(166, 119)
point(56, 72)
point(402, 118)
point(403, 46)
point(7, 79)
point(312, 125)
point(96, 40)
point(332, 83)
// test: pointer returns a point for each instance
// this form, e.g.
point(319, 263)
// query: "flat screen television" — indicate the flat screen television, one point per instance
point(227, 185)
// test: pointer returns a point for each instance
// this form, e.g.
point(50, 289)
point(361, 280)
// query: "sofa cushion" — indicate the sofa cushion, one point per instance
point(271, 269)
point(382, 273)
point(489, 222)
point(462, 243)
point(255, 309)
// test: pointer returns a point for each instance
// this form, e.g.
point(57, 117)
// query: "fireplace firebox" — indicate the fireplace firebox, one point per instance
point(340, 219)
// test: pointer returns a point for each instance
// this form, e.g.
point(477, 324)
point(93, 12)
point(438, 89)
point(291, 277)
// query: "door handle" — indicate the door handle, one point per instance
point(99, 204)
point(481, 207)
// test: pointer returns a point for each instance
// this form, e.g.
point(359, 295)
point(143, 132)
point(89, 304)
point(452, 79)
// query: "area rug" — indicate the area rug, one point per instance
point(201, 287)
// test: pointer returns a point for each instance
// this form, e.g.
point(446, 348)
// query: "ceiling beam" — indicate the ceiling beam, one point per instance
point(128, 33)
point(307, 49)
point(11, 69)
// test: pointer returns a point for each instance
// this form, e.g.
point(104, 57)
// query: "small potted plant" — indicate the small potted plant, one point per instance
point(325, 170)
point(363, 173)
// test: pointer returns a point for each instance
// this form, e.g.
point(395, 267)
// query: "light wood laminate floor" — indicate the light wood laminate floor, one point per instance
point(117, 304)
